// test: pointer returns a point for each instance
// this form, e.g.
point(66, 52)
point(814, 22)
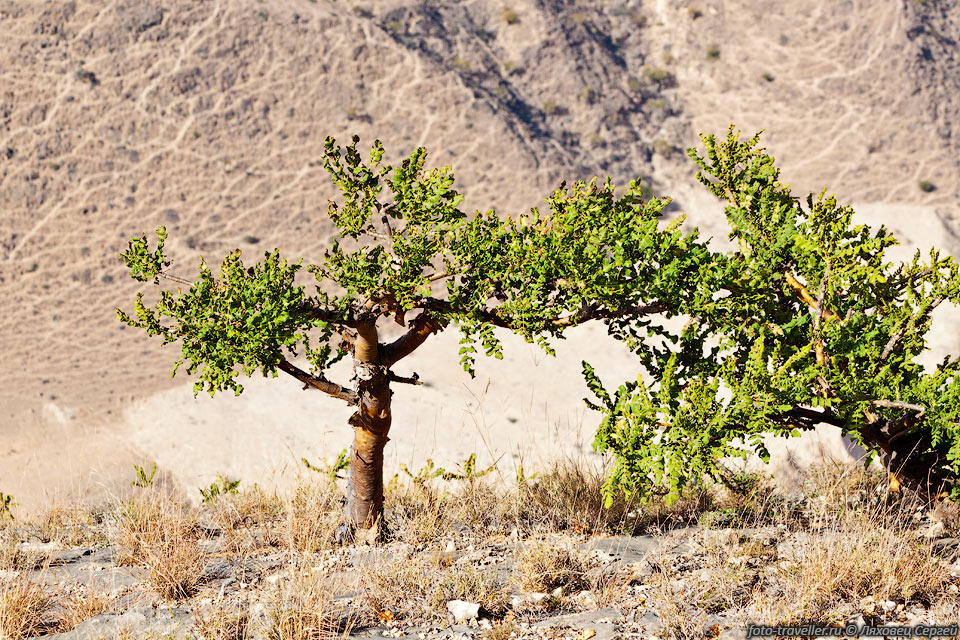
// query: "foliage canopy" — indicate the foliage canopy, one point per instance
point(808, 322)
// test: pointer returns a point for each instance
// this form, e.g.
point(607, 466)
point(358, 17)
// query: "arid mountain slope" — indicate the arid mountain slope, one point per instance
point(208, 117)
point(117, 117)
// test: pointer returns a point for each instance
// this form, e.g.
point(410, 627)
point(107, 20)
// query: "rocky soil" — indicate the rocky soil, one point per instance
point(472, 561)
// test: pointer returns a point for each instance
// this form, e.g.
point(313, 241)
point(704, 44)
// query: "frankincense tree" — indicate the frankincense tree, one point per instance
point(408, 254)
point(806, 323)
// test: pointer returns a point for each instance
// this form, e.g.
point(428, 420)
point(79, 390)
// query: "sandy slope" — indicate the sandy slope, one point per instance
point(207, 117)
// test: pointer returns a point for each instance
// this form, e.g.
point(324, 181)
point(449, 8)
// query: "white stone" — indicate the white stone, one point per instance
point(463, 610)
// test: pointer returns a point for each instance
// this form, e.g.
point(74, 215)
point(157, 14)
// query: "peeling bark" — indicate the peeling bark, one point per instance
point(371, 424)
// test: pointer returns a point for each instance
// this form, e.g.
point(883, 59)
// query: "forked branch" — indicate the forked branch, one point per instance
point(420, 329)
point(330, 388)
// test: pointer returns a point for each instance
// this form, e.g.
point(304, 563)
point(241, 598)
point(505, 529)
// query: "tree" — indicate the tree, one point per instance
point(407, 254)
point(808, 323)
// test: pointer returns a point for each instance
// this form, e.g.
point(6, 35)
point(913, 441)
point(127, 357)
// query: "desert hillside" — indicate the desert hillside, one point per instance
point(209, 118)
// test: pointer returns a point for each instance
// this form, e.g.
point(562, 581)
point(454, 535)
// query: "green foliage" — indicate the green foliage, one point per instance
point(468, 471)
point(220, 487)
point(522, 478)
point(143, 480)
point(6, 506)
point(239, 322)
point(404, 244)
point(331, 471)
point(805, 322)
point(808, 322)
point(656, 74)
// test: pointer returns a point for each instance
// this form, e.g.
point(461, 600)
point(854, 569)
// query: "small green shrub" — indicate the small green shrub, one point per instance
point(6, 506)
point(142, 480)
point(926, 186)
point(551, 107)
point(331, 471)
point(220, 487)
point(509, 16)
point(655, 74)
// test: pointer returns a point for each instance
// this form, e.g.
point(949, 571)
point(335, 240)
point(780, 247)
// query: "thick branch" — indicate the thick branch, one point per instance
point(798, 417)
point(585, 314)
point(804, 294)
point(806, 418)
point(420, 329)
point(896, 404)
point(366, 347)
point(330, 388)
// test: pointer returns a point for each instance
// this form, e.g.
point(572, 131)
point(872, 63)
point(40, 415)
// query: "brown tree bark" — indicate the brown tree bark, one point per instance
point(371, 424)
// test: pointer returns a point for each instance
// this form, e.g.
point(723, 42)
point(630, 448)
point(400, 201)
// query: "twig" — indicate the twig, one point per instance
point(177, 279)
point(896, 404)
point(414, 379)
point(895, 338)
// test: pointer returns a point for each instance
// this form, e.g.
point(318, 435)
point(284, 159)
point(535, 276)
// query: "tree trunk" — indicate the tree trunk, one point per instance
point(919, 472)
point(371, 424)
point(904, 462)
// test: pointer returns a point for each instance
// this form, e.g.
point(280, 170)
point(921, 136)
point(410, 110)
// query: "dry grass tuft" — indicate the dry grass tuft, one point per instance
point(947, 513)
point(246, 519)
point(860, 556)
point(24, 608)
point(313, 513)
point(832, 489)
point(416, 587)
point(503, 631)
point(460, 582)
point(302, 610)
point(678, 623)
point(544, 567)
point(395, 587)
point(475, 505)
point(161, 536)
point(568, 497)
point(70, 526)
point(659, 515)
point(609, 585)
point(13, 558)
point(221, 623)
point(78, 604)
point(420, 514)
